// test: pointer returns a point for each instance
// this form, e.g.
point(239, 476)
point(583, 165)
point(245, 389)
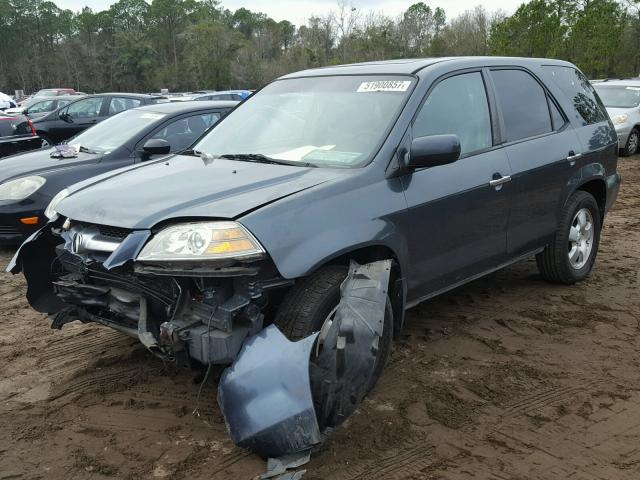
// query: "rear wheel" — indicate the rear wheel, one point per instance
point(311, 305)
point(569, 258)
point(633, 142)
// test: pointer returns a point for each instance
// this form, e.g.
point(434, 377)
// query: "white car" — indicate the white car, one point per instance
point(6, 102)
point(622, 99)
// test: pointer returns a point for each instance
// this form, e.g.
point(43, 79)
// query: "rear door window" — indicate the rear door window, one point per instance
point(88, 108)
point(578, 89)
point(457, 105)
point(120, 104)
point(523, 103)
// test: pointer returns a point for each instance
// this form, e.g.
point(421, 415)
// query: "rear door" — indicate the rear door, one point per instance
point(541, 147)
point(458, 213)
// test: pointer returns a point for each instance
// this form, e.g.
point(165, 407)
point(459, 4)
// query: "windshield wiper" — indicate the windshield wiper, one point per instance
point(260, 158)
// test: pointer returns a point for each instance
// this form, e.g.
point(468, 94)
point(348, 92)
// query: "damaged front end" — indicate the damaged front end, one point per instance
point(279, 397)
point(179, 310)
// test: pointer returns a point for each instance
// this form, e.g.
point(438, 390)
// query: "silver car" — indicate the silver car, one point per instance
point(622, 99)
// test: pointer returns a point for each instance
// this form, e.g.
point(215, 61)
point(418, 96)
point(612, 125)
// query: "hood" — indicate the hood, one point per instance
point(38, 162)
point(618, 111)
point(187, 186)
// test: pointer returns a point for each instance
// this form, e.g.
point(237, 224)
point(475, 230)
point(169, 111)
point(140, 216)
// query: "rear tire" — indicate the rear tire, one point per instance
point(631, 147)
point(571, 254)
point(310, 302)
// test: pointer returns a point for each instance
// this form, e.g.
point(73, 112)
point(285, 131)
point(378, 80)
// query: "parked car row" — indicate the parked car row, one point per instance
point(28, 182)
point(400, 180)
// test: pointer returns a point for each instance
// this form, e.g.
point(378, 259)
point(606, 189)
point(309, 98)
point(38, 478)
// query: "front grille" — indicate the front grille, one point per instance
point(9, 231)
point(113, 232)
point(110, 232)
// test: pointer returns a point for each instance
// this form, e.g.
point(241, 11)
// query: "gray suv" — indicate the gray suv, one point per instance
point(407, 178)
point(622, 99)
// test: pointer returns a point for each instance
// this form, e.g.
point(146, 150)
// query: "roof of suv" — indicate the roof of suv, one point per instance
point(413, 65)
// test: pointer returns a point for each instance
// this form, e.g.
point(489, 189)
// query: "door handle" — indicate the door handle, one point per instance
point(496, 182)
point(573, 156)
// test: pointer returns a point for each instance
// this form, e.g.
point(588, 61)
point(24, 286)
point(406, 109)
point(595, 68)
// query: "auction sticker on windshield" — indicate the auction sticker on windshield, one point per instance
point(384, 86)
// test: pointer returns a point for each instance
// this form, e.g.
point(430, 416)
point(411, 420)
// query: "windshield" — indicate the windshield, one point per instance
point(324, 121)
point(619, 97)
point(115, 131)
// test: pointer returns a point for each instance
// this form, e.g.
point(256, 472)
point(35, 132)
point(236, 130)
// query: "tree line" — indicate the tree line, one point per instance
point(198, 44)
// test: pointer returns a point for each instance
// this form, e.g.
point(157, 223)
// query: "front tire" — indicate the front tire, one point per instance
point(633, 142)
point(311, 302)
point(571, 255)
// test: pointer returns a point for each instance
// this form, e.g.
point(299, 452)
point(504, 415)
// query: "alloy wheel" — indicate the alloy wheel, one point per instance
point(581, 236)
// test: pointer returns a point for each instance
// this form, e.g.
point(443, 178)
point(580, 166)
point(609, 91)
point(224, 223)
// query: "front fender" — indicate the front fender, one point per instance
point(302, 234)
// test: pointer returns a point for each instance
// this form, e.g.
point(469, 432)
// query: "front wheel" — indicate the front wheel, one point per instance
point(633, 142)
point(569, 258)
point(311, 304)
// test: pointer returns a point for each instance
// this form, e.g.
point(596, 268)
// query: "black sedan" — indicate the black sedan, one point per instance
point(29, 181)
point(69, 120)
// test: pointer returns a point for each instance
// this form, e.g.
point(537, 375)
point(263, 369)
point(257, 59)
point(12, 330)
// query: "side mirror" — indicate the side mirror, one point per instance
point(156, 146)
point(66, 117)
point(433, 150)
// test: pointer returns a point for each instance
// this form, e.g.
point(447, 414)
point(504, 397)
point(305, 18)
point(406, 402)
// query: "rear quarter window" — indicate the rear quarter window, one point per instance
point(587, 104)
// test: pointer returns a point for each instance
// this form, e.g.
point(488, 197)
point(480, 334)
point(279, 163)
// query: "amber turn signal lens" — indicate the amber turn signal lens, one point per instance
point(30, 220)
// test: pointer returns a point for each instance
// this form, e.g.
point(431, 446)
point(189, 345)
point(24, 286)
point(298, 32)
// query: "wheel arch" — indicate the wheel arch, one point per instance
point(397, 282)
point(597, 187)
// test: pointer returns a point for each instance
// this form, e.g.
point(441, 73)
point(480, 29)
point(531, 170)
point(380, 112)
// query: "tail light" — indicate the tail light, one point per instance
point(33, 129)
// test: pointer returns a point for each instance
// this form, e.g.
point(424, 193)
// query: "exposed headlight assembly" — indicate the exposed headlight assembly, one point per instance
point(21, 188)
point(202, 241)
point(50, 211)
point(620, 119)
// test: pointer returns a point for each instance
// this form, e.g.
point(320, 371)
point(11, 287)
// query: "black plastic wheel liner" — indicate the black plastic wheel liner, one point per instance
point(342, 372)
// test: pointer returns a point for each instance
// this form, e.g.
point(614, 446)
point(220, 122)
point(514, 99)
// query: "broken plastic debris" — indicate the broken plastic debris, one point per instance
point(265, 395)
point(279, 466)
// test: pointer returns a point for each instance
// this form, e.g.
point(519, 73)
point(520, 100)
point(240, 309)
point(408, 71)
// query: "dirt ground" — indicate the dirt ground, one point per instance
point(505, 378)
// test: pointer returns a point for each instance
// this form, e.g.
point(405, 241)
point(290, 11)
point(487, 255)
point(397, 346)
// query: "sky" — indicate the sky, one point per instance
point(298, 11)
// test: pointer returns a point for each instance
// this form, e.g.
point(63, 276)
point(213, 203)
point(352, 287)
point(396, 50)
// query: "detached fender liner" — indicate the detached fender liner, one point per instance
point(281, 397)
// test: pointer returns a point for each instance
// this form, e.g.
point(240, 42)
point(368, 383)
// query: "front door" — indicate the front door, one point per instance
point(458, 213)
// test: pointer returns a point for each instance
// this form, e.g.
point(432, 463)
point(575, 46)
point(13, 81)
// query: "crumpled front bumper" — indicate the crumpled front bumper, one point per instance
point(165, 313)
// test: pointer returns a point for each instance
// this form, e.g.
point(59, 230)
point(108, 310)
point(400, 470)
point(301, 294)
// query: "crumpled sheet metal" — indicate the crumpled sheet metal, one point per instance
point(342, 373)
point(265, 395)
